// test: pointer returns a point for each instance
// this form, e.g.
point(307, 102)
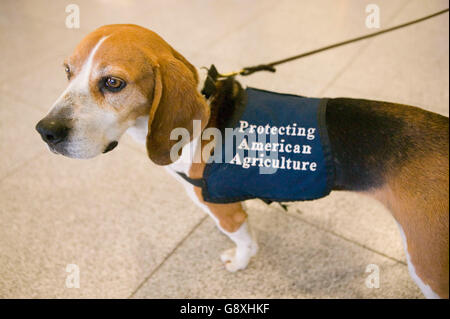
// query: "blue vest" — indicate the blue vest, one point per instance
point(278, 150)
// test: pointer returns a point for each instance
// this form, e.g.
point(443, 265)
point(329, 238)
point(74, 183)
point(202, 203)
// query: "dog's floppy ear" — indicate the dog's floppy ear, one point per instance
point(176, 103)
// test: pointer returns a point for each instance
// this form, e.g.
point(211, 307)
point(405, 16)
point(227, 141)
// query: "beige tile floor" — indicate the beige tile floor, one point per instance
point(129, 227)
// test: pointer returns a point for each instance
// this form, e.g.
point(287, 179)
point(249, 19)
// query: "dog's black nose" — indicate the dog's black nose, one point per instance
point(52, 131)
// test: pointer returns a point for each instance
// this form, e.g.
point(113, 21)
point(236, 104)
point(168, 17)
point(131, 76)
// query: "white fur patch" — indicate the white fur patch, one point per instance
point(202, 74)
point(426, 289)
point(238, 258)
point(80, 84)
point(139, 130)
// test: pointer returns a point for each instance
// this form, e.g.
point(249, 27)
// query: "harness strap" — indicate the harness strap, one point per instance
point(198, 182)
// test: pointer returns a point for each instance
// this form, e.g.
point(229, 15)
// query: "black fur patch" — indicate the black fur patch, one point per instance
point(371, 139)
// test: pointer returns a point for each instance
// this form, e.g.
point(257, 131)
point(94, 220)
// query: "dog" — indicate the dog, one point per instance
point(125, 78)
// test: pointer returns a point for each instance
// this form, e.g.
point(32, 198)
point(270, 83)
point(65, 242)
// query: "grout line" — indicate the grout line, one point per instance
point(296, 216)
point(168, 256)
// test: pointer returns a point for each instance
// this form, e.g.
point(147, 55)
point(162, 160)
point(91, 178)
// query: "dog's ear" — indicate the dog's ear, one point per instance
point(176, 103)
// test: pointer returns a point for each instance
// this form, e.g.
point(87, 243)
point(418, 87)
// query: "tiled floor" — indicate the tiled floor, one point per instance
point(129, 227)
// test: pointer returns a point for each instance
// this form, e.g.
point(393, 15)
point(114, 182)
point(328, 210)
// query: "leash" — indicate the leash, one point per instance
point(209, 87)
point(271, 66)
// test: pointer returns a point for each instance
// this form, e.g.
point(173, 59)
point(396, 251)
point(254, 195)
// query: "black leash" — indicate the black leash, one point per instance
point(271, 66)
point(209, 87)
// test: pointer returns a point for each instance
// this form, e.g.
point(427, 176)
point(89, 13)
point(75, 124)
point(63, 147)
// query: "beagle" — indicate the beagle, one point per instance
point(125, 78)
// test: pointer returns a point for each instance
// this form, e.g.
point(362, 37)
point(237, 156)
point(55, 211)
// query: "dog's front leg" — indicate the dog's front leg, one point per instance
point(232, 220)
point(246, 247)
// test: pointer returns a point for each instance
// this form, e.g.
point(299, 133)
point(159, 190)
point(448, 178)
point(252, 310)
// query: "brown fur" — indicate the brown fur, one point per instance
point(179, 105)
point(421, 207)
point(230, 216)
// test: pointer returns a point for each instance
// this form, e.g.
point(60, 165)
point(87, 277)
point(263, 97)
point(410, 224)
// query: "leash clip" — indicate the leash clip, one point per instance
point(209, 87)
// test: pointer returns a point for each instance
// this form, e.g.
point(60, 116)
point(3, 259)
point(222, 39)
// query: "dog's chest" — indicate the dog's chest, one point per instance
point(139, 131)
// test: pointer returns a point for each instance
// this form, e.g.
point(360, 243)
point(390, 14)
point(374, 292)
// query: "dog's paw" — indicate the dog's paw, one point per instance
point(232, 262)
point(235, 261)
point(227, 255)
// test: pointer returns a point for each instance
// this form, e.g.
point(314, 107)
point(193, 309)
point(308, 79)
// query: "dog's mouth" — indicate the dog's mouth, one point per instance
point(54, 151)
point(60, 149)
point(110, 146)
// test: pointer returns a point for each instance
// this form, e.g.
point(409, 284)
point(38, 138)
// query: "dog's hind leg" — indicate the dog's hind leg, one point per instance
point(421, 208)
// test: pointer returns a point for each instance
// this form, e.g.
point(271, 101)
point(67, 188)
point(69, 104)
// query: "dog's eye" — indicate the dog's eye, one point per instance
point(67, 70)
point(113, 84)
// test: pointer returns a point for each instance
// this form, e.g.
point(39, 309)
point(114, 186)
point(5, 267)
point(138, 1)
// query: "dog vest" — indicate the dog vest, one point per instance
point(275, 148)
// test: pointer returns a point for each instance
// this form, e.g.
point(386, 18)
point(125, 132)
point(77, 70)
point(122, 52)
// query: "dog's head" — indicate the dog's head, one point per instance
point(117, 74)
